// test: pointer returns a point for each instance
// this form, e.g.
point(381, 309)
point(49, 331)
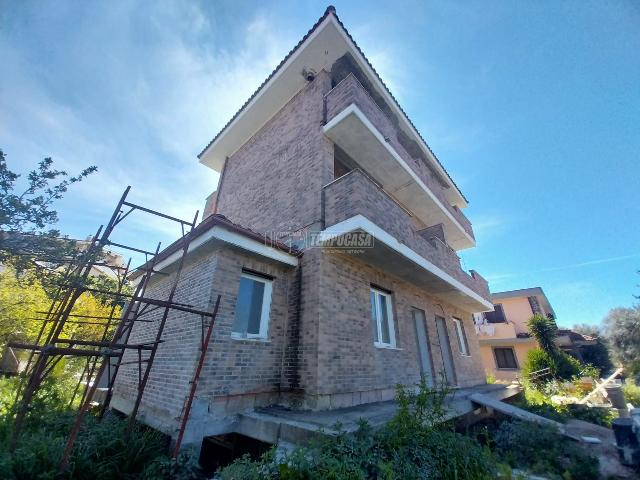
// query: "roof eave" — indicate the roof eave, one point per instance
point(330, 16)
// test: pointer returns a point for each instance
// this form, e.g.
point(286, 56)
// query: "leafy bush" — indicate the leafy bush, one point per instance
point(537, 400)
point(599, 415)
point(185, 467)
point(415, 444)
point(632, 393)
point(598, 356)
point(541, 449)
point(102, 450)
point(560, 365)
point(567, 367)
point(536, 360)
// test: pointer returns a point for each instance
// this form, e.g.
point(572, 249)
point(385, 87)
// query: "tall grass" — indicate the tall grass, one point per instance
point(102, 450)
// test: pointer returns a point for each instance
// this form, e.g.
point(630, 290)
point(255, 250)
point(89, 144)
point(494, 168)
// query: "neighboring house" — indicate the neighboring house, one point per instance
point(108, 266)
point(323, 158)
point(504, 336)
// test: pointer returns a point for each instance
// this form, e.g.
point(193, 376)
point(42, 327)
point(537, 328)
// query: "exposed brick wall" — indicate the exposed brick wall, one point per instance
point(210, 205)
point(355, 194)
point(231, 366)
point(326, 351)
point(274, 181)
point(347, 358)
point(176, 356)
point(240, 366)
point(320, 341)
point(434, 231)
point(350, 91)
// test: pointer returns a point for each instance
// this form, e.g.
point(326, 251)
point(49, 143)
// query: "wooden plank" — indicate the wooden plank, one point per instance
point(601, 386)
point(505, 408)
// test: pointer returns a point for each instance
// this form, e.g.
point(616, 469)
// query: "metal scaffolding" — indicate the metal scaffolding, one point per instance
point(104, 355)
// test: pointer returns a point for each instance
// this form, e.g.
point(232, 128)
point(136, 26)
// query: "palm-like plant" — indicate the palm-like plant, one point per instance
point(545, 332)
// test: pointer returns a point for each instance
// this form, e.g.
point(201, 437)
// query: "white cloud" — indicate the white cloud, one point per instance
point(146, 91)
point(489, 225)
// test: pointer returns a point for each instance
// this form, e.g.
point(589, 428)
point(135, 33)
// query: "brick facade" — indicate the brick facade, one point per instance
point(274, 182)
point(349, 369)
point(233, 367)
point(355, 193)
point(350, 91)
point(320, 351)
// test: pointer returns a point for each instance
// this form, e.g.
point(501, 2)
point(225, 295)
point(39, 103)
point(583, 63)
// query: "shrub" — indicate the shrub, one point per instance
point(541, 449)
point(102, 451)
point(561, 366)
point(632, 393)
point(566, 366)
point(537, 400)
point(185, 467)
point(415, 444)
point(537, 360)
point(599, 415)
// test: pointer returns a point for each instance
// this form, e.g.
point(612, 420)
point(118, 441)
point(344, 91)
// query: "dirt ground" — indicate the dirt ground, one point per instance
point(606, 452)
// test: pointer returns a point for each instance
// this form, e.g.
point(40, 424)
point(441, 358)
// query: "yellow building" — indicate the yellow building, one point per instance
point(503, 335)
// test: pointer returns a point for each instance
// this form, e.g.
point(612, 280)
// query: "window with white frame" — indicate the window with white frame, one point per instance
point(462, 337)
point(382, 319)
point(252, 307)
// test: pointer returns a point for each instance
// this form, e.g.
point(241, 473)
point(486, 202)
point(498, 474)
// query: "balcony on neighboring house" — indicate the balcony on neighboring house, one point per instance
point(368, 135)
point(356, 203)
point(496, 331)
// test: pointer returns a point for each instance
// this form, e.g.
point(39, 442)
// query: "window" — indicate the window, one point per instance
point(252, 308)
point(497, 316)
point(462, 337)
point(505, 358)
point(382, 319)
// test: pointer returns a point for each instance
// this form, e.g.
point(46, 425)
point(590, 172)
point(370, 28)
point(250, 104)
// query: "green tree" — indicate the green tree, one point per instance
point(622, 326)
point(27, 215)
point(598, 354)
point(22, 304)
point(545, 331)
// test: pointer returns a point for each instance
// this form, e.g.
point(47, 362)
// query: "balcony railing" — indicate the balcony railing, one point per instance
point(350, 91)
point(357, 194)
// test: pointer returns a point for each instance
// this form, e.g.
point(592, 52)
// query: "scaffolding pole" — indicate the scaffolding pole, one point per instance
point(104, 355)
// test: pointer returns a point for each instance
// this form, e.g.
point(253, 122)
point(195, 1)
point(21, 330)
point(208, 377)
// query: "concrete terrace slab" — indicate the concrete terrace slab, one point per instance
point(495, 404)
point(279, 424)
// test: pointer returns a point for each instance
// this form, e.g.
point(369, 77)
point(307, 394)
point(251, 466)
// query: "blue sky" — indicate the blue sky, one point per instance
point(533, 107)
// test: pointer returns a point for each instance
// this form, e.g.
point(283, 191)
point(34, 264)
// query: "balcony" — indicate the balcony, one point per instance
point(497, 331)
point(355, 203)
point(367, 134)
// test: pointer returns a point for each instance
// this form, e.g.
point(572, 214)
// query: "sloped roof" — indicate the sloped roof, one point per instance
point(329, 12)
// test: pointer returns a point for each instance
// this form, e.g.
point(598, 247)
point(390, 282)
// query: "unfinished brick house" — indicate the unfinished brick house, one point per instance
point(321, 156)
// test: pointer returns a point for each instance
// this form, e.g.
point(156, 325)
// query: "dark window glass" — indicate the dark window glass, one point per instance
point(462, 338)
point(374, 316)
point(497, 316)
point(505, 358)
point(249, 307)
point(384, 321)
point(381, 318)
